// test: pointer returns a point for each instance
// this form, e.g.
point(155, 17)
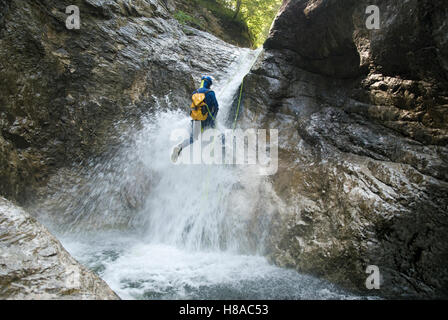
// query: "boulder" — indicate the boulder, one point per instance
point(34, 264)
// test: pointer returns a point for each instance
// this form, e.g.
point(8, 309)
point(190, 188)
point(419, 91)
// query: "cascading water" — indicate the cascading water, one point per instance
point(155, 230)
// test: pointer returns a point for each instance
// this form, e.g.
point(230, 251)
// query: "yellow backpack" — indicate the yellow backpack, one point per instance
point(199, 109)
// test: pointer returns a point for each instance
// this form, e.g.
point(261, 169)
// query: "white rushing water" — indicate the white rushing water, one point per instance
point(197, 232)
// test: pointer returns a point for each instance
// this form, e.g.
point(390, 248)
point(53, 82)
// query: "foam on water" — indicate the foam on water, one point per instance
point(138, 270)
point(200, 231)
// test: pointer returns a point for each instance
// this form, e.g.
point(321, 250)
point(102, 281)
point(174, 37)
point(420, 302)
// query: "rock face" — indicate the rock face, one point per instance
point(62, 92)
point(34, 265)
point(363, 131)
point(65, 97)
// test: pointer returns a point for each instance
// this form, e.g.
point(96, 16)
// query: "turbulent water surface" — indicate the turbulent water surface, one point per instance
point(136, 269)
point(194, 231)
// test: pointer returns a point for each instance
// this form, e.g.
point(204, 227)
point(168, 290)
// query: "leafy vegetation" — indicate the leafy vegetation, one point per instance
point(220, 10)
point(185, 18)
point(257, 14)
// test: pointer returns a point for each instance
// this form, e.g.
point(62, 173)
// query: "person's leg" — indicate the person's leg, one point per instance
point(195, 131)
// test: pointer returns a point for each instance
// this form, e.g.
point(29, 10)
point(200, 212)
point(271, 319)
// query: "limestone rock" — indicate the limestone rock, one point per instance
point(34, 265)
point(62, 92)
point(363, 136)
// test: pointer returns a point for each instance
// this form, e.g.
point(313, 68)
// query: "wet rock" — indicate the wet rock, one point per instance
point(363, 168)
point(62, 91)
point(34, 265)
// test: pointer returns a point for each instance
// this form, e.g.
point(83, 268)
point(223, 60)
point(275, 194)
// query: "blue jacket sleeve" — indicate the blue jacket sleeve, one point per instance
point(214, 102)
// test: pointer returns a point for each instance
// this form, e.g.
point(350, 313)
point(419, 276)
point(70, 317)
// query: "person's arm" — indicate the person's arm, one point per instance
point(215, 103)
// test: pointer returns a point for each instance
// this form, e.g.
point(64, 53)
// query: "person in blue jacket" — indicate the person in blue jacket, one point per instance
point(210, 100)
point(200, 126)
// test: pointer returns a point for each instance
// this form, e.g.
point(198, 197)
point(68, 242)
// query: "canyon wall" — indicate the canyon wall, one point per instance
point(363, 130)
point(66, 95)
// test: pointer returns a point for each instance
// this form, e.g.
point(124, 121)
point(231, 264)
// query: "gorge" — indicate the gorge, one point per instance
point(85, 122)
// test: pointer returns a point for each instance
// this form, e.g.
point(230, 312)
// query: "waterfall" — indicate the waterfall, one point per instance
point(155, 230)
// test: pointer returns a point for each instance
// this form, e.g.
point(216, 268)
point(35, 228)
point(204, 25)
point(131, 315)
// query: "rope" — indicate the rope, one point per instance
point(234, 126)
point(209, 113)
point(239, 103)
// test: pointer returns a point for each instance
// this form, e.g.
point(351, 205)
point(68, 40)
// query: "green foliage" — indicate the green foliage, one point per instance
point(184, 18)
point(258, 15)
point(220, 10)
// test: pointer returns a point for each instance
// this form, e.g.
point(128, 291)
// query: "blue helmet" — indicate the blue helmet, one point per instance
point(207, 79)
